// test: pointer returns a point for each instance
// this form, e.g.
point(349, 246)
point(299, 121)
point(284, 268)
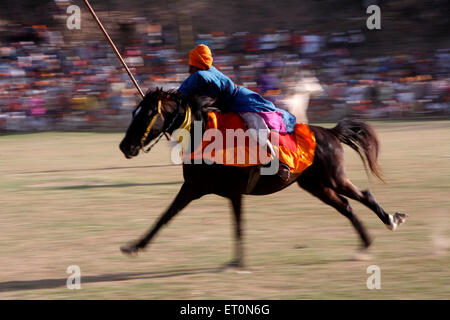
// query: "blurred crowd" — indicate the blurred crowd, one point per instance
point(48, 82)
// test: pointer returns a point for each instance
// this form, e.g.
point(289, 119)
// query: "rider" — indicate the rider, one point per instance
point(257, 112)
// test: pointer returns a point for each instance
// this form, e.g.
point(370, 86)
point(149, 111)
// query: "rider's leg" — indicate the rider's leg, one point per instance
point(254, 121)
point(261, 136)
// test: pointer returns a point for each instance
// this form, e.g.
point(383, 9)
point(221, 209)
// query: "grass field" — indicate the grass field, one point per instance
point(73, 199)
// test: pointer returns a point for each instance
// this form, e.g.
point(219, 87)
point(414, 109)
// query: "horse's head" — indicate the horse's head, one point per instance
point(159, 112)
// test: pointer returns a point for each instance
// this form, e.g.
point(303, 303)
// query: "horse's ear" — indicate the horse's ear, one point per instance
point(163, 94)
point(159, 92)
point(149, 92)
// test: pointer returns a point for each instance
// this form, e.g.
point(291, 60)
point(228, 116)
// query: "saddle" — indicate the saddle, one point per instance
point(226, 141)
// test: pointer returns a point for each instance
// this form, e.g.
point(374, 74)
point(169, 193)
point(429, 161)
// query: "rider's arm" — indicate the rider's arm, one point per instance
point(192, 90)
point(191, 86)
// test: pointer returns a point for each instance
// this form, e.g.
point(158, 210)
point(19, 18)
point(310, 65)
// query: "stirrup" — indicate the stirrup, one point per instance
point(284, 172)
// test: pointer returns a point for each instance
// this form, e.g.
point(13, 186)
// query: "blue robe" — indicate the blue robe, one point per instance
point(215, 84)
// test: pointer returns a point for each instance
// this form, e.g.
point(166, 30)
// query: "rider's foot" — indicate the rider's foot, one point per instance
point(284, 172)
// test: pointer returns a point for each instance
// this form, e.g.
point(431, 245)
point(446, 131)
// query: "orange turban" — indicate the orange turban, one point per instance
point(201, 57)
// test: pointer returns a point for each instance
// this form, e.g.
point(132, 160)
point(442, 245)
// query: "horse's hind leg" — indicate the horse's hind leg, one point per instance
point(338, 202)
point(186, 194)
point(348, 189)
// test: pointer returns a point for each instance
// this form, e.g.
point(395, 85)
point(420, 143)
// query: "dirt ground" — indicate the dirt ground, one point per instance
point(73, 199)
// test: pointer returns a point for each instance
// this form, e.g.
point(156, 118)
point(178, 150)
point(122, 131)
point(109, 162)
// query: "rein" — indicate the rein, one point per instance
point(152, 122)
point(185, 125)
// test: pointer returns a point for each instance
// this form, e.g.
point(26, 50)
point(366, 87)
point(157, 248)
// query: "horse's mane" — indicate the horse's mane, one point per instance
point(171, 95)
point(197, 103)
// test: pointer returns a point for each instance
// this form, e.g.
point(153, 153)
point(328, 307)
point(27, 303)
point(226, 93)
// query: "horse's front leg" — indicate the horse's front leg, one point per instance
point(238, 260)
point(187, 193)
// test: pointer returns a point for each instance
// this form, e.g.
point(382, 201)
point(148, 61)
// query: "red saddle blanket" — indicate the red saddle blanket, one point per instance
point(225, 142)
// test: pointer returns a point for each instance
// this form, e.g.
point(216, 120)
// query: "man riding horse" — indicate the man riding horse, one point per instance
point(257, 112)
point(163, 112)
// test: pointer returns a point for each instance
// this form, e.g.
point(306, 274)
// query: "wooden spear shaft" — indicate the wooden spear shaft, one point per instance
point(114, 48)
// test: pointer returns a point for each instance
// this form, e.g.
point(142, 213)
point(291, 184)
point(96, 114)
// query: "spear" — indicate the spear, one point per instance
point(114, 48)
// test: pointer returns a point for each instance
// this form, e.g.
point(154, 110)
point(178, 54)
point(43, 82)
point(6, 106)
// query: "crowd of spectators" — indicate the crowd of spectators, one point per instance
point(50, 82)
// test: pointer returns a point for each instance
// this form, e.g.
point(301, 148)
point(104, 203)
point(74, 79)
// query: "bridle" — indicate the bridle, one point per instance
point(185, 125)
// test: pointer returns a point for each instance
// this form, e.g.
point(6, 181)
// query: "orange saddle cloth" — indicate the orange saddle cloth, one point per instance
point(225, 142)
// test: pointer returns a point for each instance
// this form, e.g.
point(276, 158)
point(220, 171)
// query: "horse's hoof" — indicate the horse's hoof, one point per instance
point(361, 255)
point(395, 220)
point(234, 266)
point(239, 270)
point(129, 249)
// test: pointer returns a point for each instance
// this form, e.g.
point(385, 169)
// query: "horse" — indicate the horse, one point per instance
point(162, 112)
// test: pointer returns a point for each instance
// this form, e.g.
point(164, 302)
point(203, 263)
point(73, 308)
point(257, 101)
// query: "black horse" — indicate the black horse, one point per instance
point(325, 178)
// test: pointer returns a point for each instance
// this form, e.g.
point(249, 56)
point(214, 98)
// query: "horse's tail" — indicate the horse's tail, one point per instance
point(361, 137)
